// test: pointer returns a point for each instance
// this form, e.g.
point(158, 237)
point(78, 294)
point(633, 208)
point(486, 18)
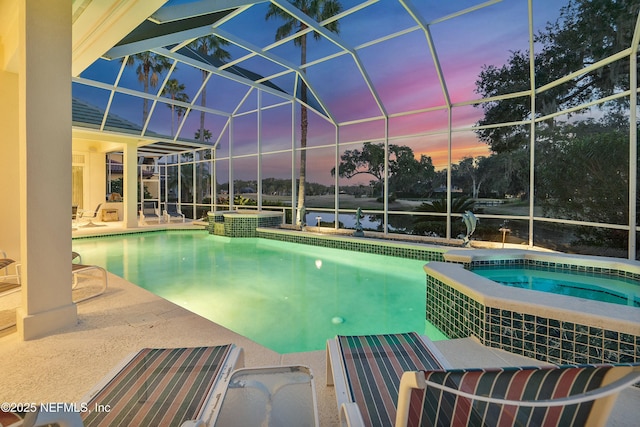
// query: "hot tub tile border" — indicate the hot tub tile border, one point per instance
point(539, 337)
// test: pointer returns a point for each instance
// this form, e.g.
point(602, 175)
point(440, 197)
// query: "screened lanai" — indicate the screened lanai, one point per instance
point(521, 111)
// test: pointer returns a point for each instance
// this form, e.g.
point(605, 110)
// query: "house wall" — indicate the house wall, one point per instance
point(94, 177)
point(9, 171)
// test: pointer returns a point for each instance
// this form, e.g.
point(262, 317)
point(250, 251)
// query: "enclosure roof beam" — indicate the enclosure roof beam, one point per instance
point(204, 7)
point(256, 51)
point(332, 37)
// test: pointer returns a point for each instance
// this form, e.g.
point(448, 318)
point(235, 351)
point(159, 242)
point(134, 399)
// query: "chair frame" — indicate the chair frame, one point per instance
point(4, 265)
point(349, 411)
point(155, 216)
point(168, 216)
point(82, 213)
point(80, 271)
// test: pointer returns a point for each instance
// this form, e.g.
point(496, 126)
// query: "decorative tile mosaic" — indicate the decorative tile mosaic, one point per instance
point(215, 218)
point(218, 228)
point(539, 337)
point(240, 225)
point(357, 245)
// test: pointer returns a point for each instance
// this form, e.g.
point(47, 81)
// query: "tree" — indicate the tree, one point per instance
point(585, 32)
point(203, 135)
point(318, 10)
point(404, 169)
point(175, 90)
point(149, 69)
point(470, 171)
point(583, 175)
point(506, 173)
point(210, 46)
point(409, 175)
point(583, 167)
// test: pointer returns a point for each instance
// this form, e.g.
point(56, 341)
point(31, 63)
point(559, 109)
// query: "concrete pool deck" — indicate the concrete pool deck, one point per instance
point(65, 366)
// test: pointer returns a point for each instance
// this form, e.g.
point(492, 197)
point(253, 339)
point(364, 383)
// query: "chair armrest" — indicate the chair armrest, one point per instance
point(350, 415)
point(46, 418)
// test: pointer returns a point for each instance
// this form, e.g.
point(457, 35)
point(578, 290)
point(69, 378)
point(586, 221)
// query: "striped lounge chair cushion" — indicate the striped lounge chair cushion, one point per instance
point(4, 262)
point(162, 387)
point(374, 365)
point(441, 408)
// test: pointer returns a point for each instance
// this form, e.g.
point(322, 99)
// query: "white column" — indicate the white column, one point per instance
point(130, 184)
point(44, 121)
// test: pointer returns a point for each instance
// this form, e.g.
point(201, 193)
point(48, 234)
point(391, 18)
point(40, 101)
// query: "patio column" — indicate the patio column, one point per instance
point(130, 184)
point(44, 134)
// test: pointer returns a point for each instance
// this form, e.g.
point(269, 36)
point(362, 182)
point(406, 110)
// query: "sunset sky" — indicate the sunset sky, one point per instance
point(401, 70)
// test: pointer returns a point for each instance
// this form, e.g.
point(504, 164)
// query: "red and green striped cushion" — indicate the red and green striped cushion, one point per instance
point(374, 365)
point(162, 387)
point(441, 408)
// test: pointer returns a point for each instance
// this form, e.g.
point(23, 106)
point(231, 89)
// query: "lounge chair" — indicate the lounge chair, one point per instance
point(580, 395)
point(83, 214)
point(7, 284)
point(172, 212)
point(80, 271)
point(149, 212)
point(167, 387)
point(366, 372)
point(4, 268)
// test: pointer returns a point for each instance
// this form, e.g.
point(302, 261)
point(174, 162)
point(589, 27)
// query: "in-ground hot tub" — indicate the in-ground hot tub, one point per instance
point(555, 328)
point(242, 223)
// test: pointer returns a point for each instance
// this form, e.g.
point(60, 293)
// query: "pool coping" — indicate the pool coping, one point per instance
point(581, 263)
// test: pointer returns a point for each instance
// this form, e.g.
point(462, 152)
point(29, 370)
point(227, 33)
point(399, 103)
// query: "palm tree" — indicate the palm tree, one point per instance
point(205, 136)
point(150, 67)
point(183, 97)
point(437, 224)
point(175, 90)
point(208, 46)
point(318, 10)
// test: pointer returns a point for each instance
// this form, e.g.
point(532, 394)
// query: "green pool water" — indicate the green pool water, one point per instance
point(287, 297)
point(596, 287)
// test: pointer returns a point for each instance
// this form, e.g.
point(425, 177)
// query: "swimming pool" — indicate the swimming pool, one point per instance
point(596, 287)
point(288, 297)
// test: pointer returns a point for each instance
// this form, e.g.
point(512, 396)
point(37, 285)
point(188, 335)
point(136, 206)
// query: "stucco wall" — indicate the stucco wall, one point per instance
point(9, 172)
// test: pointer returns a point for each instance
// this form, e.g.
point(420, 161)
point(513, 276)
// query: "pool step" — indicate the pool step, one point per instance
point(470, 353)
